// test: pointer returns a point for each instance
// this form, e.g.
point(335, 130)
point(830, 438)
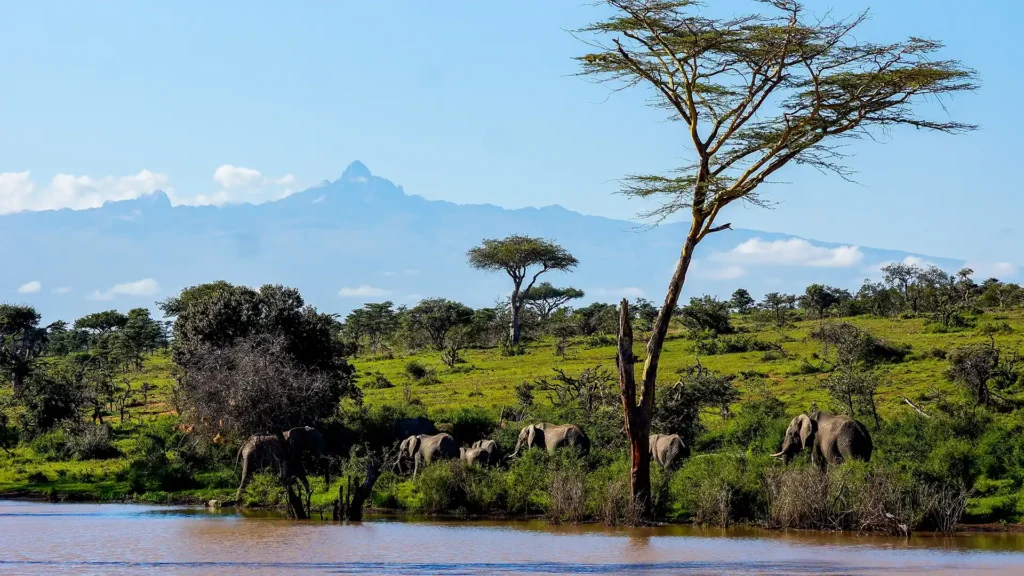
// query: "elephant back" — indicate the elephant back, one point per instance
point(444, 446)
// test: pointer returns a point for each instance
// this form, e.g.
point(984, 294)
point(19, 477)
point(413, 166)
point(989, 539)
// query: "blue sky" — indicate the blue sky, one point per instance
point(462, 101)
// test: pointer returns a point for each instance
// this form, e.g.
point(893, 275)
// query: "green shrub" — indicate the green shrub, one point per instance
point(469, 423)
point(264, 491)
point(733, 345)
point(378, 382)
point(525, 483)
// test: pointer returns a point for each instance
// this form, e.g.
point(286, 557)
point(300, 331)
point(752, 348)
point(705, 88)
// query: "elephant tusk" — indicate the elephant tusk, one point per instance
point(779, 454)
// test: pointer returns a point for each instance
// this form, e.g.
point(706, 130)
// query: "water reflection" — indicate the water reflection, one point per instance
point(126, 539)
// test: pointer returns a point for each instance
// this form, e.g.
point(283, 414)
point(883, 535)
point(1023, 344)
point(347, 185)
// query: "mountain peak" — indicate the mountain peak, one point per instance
point(356, 172)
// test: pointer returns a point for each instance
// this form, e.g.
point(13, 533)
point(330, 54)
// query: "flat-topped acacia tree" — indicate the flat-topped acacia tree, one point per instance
point(519, 257)
point(751, 94)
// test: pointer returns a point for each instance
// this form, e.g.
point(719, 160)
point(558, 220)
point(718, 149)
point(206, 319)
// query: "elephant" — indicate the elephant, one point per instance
point(552, 437)
point(427, 448)
point(402, 428)
point(831, 438)
point(482, 451)
point(666, 449)
point(262, 450)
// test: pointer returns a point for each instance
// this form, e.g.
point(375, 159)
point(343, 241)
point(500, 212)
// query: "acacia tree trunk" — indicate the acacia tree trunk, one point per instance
point(514, 333)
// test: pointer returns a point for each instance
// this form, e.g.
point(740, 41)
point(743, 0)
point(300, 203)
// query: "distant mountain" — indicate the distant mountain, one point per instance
point(361, 238)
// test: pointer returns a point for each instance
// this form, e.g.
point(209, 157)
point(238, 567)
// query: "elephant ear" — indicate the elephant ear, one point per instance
point(414, 445)
point(531, 435)
point(808, 428)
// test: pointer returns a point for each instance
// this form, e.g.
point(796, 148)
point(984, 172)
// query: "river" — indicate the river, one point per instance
point(37, 538)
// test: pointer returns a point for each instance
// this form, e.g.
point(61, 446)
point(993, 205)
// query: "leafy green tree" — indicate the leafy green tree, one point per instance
point(375, 322)
point(102, 322)
point(220, 332)
point(753, 94)
point(22, 341)
point(438, 318)
point(742, 302)
point(706, 314)
point(544, 298)
point(644, 314)
point(519, 257)
point(818, 299)
point(597, 318)
point(778, 307)
point(140, 335)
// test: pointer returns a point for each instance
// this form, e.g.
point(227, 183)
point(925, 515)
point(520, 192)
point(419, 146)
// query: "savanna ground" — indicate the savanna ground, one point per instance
point(485, 383)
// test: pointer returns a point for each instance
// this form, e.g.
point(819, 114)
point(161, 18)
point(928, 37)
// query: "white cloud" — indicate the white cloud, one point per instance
point(62, 290)
point(18, 192)
point(1001, 270)
point(625, 292)
point(240, 184)
point(30, 287)
point(145, 287)
point(701, 269)
point(363, 291)
point(791, 252)
point(229, 176)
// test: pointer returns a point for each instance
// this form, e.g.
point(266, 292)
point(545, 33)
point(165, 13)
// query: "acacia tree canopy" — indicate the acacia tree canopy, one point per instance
point(753, 93)
point(545, 298)
point(518, 256)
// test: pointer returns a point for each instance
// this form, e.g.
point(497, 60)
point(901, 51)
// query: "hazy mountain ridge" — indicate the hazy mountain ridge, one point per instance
point(364, 233)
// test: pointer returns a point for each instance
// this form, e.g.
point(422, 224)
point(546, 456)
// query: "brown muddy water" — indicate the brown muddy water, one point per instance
point(40, 538)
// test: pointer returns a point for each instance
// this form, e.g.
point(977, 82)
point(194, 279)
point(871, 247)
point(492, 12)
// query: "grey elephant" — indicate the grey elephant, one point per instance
point(425, 448)
point(402, 428)
point(831, 439)
point(552, 437)
point(266, 450)
point(482, 451)
point(667, 449)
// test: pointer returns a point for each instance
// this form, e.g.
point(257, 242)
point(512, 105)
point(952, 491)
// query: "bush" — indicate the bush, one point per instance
point(567, 489)
point(378, 382)
point(847, 497)
point(717, 489)
point(264, 491)
point(525, 483)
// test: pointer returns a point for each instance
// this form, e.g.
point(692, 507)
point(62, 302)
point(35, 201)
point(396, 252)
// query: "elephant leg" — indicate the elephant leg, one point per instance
point(245, 477)
point(416, 465)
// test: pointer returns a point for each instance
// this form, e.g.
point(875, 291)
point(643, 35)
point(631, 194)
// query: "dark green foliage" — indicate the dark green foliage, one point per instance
point(21, 343)
point(706, 314)
point(377, 382)
point(741, 301)
point(438, 318)
point(679, 406)
point(987, 373)
point(597, 319)
point(819, 299)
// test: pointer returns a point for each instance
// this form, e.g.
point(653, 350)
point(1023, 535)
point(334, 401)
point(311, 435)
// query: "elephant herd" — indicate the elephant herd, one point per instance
point(829, 438)
point(431, 446)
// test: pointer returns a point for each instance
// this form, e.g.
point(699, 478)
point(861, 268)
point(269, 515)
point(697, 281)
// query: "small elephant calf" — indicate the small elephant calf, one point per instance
point(667, 449)
point(485, 452)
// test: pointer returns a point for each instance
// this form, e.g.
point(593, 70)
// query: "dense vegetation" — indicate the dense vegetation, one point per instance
point(122, 406)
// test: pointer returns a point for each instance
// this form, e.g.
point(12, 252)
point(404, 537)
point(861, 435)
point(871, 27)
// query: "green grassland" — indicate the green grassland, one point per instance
point(487, 379)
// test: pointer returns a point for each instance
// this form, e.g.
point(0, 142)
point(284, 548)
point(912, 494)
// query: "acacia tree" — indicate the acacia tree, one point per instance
point(545, 298)
point(517, 255)
point(752, 94)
